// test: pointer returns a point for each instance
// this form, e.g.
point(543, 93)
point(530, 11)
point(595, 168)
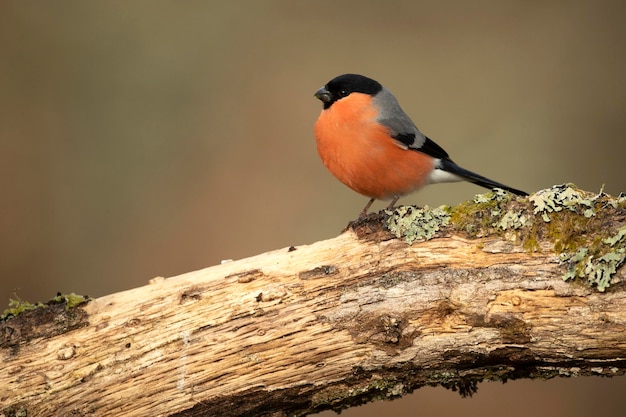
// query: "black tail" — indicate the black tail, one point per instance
point(451, 167)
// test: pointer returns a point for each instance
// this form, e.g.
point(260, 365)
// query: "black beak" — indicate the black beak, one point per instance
point(324, 95)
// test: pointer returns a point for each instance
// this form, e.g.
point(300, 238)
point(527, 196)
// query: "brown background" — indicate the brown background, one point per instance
point(152, 138)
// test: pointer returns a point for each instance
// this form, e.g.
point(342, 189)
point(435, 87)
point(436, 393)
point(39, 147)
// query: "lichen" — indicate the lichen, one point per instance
point(413, 223)
point(587, 230)
point(512, 220)
point(587, 241)
point(597, 268)
point(561, 197)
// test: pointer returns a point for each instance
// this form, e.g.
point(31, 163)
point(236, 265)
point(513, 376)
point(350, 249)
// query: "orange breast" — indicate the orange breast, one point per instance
point(361, 154)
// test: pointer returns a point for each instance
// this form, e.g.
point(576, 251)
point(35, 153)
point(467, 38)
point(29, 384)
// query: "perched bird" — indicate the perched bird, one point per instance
point(369, 143)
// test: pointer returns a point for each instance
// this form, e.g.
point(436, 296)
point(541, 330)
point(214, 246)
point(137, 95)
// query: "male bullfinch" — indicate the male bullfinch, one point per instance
point(369, 143)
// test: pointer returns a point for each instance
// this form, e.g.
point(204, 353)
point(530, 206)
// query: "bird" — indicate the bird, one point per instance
point(370, 144)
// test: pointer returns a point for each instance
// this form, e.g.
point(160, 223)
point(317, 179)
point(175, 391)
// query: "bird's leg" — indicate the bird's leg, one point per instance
point(367, 207)
point(393, 202)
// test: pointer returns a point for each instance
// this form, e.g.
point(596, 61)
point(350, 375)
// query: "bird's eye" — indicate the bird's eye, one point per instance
point(343, 93)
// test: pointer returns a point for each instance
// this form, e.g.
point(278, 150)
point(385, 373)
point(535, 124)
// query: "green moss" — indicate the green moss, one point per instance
point(18, 306)
point(530, 243)
point(487, 214)
point(71, 300)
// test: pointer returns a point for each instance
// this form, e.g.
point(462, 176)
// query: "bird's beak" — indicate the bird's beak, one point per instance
point(324, 95)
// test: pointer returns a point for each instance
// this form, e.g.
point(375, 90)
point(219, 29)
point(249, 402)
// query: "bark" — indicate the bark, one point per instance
point(340, 322)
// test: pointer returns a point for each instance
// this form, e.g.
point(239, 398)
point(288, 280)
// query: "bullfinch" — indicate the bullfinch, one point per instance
point(369, 143)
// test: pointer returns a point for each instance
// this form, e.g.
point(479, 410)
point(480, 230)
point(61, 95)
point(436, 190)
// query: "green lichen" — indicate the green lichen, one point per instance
point(416, 224)
point(512, 220)
point(597, 268)
point(578, 223)
point(587, 230)
point(561, 197)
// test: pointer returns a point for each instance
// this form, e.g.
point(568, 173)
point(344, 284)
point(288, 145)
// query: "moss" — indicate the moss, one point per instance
point(18, 306)
point(586, 230)
point(71, 300)
point(487, 214)
point(530, 243)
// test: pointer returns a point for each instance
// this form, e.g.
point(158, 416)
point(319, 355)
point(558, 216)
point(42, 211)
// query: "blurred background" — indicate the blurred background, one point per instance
point(152, 138)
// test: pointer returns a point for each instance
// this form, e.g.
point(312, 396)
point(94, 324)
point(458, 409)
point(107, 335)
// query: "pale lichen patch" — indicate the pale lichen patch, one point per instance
point(416, 224)
point(587, 230)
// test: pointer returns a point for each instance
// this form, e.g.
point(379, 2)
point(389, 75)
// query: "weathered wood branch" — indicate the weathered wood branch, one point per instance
point(327, 325)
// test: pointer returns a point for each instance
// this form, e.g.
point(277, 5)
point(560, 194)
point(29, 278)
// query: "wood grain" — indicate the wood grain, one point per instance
point(326, 325)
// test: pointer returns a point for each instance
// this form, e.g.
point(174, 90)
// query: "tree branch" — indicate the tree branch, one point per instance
point(336, 323)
